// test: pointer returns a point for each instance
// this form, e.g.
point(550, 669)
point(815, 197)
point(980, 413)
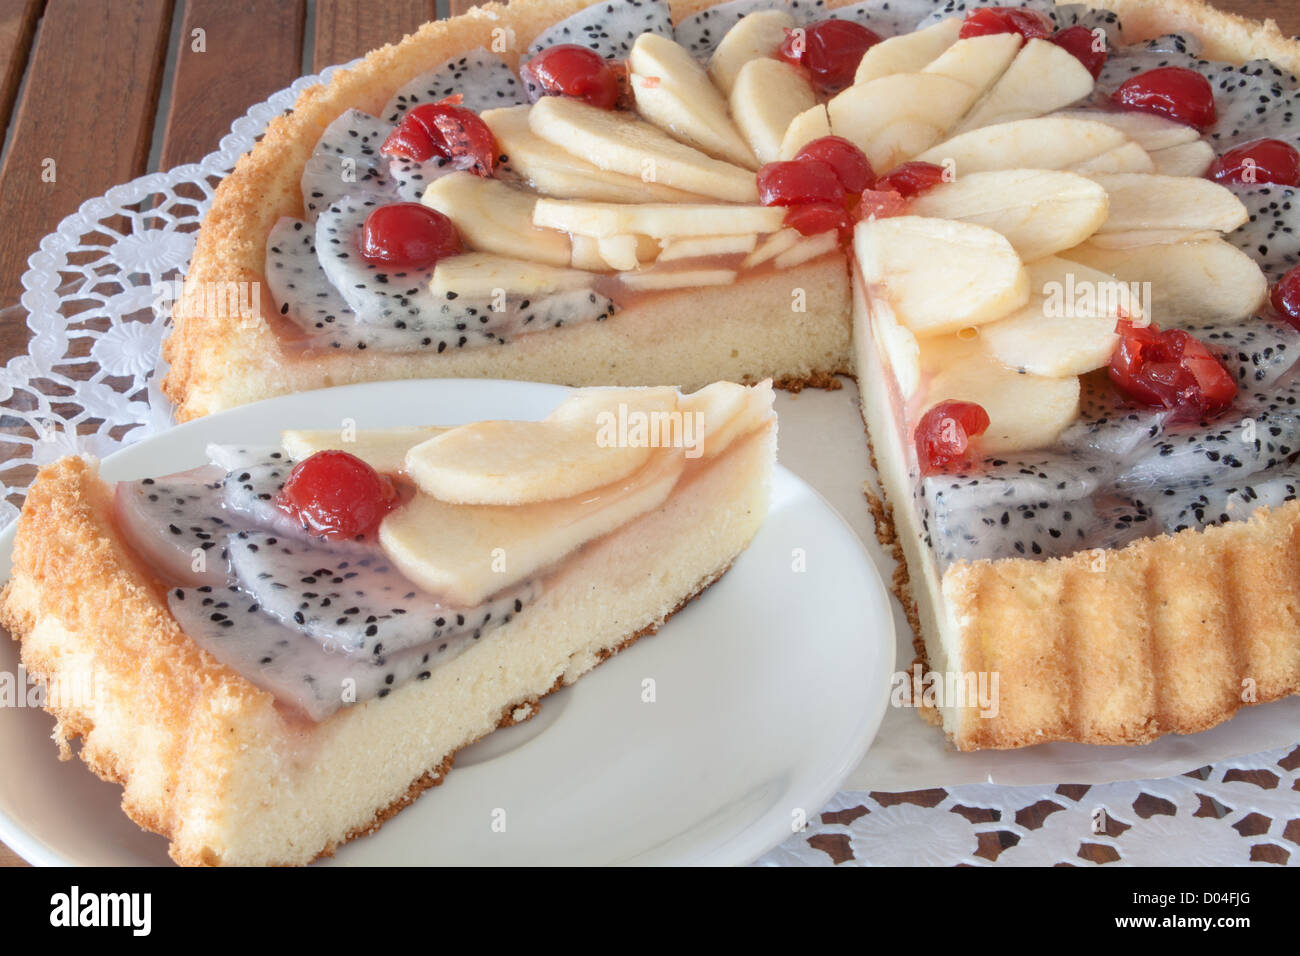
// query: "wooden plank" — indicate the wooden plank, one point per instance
point(84, 124)
point(460, 6)
point(17, 27)
point(346, 29)
point(233, 53)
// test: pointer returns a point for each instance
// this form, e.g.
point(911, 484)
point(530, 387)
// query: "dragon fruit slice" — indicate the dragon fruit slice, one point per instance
point(178, 524)
point(1077, 14)
point(1107, 425)
point(358, 603)
point(230, 626)
point(1227, 501)
point(298, 283)
point(1026, 529)
point(377, 294)
point(1256, 352)
point(890, 17)
point(608, 28)
point(482, 78)
point(702, 32)
point(326, 179)
point(1271, 237)
point(1252, 438)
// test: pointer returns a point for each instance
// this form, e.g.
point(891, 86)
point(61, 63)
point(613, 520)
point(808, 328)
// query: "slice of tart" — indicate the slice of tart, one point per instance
point(289, 644)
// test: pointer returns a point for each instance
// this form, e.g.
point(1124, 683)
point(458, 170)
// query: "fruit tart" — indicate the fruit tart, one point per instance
point(286, 646)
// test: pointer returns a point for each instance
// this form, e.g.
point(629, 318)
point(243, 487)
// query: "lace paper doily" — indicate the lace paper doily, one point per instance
point(97, 299)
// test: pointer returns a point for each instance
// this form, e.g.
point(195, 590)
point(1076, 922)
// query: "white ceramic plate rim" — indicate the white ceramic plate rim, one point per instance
point(309, 409)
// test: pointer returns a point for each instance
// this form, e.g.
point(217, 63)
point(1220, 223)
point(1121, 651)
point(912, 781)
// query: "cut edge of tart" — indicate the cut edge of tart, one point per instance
point(224, 768)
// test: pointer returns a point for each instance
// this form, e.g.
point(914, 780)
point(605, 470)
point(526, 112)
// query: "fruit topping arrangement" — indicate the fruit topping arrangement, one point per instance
point(333, 570)
point(1067, 242)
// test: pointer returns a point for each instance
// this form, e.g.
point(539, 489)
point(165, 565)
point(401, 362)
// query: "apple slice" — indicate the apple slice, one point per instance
point(1039, 211)
point(1144, 201)
point(521, 462)
point(483, 274)
point(1185, 159)
point(674, 92)
point(1047, 142)
point(754, 36)
point(807, 249)
point(894, 118)
point(494, 217)
point(654, 219)
point(697, 247)
point(729, 411)
point(907, 52)
point(977, 61)
point(1043, 77)
point(1148, 237)
point(809, 125)
point(1025, 411)
point(898, 346)
point(620, 142)
point(383, 449)
point(467, 553)
point(771, 247)
point(553, 171)
point(1148, 130)
point(940, 275)
point(766, 98)
point(1129, 158)
point(1068, 325)
point(1210, 280)
point(662, 280)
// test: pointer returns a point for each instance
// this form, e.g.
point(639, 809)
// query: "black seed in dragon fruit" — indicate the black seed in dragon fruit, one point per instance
point(178, 524)
point(356, 601)
point(299, 671)
point(608, 28)
point(482, 78)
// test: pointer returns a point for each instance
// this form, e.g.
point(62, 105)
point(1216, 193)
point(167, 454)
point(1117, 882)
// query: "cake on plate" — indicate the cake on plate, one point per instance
point(1054, 243)
point(286, 646)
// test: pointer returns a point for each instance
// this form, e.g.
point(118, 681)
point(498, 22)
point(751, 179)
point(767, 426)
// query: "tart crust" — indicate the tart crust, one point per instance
point(215, 765)
point(742, 332)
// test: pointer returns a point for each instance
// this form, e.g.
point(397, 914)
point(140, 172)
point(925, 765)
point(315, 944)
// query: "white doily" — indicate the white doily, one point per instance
point(98, 295)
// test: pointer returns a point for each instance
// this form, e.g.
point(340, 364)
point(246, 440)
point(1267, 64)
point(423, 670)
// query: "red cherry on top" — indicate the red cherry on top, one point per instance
point(1171, 91)
point(794, 182)
point(445, 129)
point(1030, 24)
point(1285, 297)
point(910, 179)
point(829, 50)
point(850, 164)
point(408, 235)
point(1259, 161)
point(944, 432)
point(812, 219)
point(1170, 369)
point(568, 69)
point(1083, 44)
point(337, 495)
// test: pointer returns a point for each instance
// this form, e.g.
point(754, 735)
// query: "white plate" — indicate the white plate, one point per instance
point(769, 689)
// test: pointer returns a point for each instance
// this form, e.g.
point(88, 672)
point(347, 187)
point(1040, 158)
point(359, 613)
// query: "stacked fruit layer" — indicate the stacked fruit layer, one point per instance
point(337, 568)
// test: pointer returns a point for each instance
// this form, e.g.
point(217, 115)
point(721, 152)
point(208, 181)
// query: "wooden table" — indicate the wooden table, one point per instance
point(91, 77)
